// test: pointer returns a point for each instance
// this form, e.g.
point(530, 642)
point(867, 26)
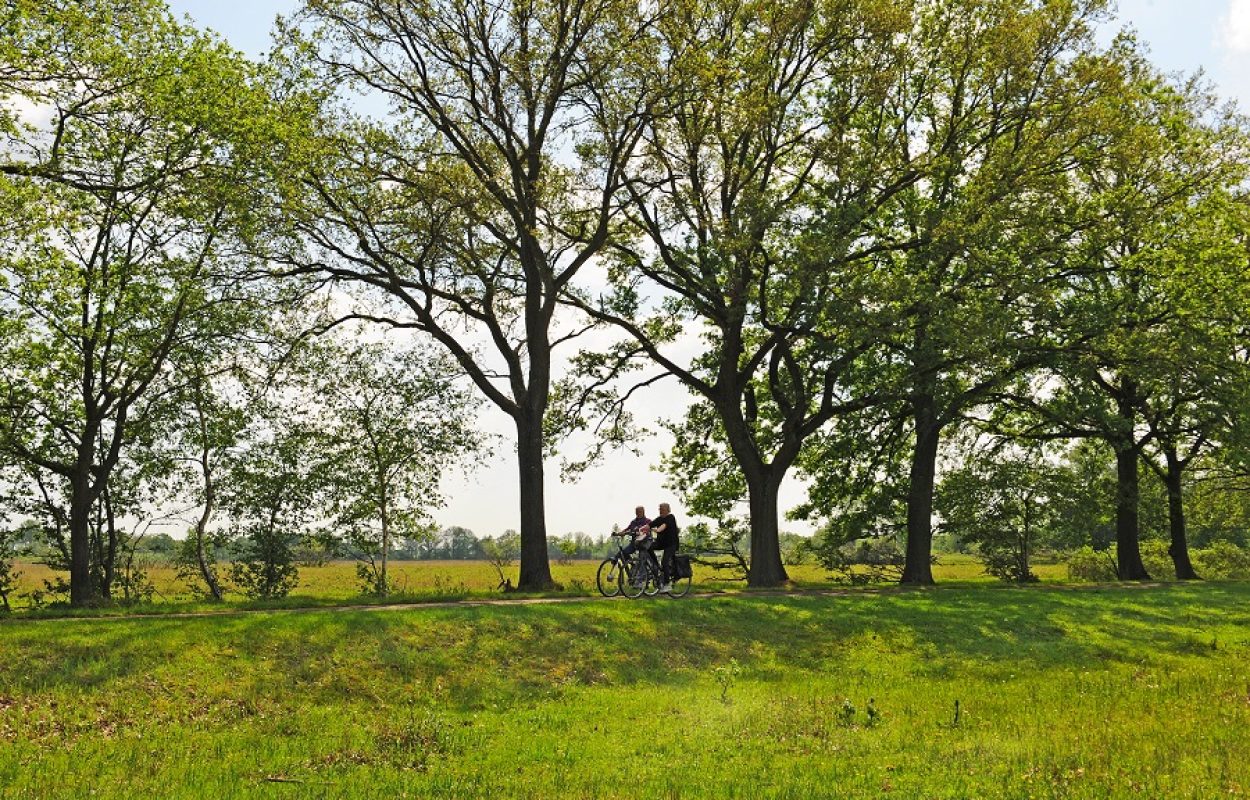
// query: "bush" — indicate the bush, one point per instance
point(266, 566)
point(1007, 563)
point(1154, 556)
point(8, 575)
point(1222, 560)
point(1088, 564)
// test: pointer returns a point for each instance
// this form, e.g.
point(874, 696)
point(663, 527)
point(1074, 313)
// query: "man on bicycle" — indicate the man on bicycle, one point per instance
point(641, 530)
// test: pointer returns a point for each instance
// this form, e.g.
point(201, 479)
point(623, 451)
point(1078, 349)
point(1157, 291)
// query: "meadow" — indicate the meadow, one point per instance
point(954, 692)
point(336, 583)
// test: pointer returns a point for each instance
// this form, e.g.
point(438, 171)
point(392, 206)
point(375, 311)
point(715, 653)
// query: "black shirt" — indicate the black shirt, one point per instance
point(667, 538)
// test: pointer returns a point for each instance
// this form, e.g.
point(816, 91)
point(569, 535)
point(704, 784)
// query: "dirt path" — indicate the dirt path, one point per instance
point(502, 601)
point(524, 601)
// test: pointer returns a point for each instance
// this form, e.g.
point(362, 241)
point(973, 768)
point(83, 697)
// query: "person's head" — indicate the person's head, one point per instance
point(665, 510)
point(640, 512)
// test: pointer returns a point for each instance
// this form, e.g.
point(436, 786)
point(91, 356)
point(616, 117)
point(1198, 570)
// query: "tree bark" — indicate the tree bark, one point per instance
point(384, 586)
point(766, 567)
point(108, 563)
point(918, 562)
point(1179, 548)
point(1129, 565)
point(81, 587)
point(201, 530)
point(535, 567)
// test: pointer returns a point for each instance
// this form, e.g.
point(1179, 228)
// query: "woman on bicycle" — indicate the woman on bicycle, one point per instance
point(665, 529)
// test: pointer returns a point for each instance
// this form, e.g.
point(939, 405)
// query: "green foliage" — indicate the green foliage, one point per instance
point(501, 551)
point(1007, 503)
point(8, 572)
point(1088, 564)
point(276, 492)
point(859, 560)
point(1218, 561)
point(390, 423)
point(186, 560)
point(1154, 555)
point(1222, 561)
point(265, 566)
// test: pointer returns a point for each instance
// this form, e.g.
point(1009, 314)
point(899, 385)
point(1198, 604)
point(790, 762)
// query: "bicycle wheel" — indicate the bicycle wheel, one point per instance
point(681, 587)
point(652, 587)
point(608, 578)
point(633, 579)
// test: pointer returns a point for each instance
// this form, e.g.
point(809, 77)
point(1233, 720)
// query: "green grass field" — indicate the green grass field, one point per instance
point(1133, 692)
point(417, 581)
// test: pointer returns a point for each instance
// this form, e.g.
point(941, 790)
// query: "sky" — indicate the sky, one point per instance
point(1183, 36)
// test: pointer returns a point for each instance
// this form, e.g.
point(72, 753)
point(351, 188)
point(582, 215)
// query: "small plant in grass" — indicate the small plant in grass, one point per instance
point(417, 737)
point(956, 718)
point(846, 713)
point(726, 675)
point(445, 586)
point(874, 716)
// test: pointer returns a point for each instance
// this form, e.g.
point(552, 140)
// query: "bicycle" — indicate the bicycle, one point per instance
point(634, 575)
point(608, 576)
point(639, 576)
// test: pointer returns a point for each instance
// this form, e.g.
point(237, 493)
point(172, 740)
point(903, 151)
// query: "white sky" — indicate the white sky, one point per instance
point(1184, 36)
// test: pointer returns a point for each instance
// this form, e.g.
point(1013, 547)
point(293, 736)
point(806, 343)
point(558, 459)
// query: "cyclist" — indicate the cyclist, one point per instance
point(641, 534)
point(665, 529)
point(641, 530)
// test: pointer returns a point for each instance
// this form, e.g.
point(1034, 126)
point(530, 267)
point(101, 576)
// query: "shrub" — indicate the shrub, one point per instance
point(8, 575)
point(1088, 564)
point(1154, 556)
point(266, 565)
point(1222, 560)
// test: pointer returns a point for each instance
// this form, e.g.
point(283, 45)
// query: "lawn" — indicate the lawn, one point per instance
point(1062, 692)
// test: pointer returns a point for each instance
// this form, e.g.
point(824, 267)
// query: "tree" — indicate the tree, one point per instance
point(1003, 112)
point(1142, 332)
point(468, 210)
point(119, 263)
point(1192, 406)
point(391, 423)
point(772, 116)
point(276, 496)
point(1008, 503)
point(9, 538)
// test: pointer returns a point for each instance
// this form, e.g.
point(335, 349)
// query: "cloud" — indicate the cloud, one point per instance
point(1235, 27)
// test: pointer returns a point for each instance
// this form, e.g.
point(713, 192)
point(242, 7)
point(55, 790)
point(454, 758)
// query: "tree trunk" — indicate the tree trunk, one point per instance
point(384, 585)
point(1179, 548)
point(535, 567)
point(108, 566)
point(201, 532)
point(918, 563)
point(1129, 565)
point(81, 587)
point(766, 567)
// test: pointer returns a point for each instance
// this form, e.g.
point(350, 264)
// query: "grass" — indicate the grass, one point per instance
point(1097, 693)
point(335, 583)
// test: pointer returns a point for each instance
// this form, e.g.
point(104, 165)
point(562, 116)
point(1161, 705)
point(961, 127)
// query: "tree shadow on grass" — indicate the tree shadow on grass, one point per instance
point(472, 656)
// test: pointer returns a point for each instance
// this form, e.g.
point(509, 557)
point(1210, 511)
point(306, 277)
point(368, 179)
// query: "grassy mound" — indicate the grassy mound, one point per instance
point(1126, 692)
